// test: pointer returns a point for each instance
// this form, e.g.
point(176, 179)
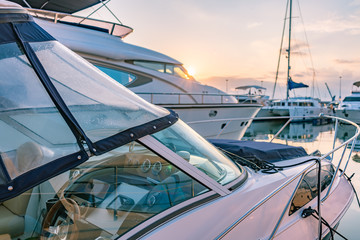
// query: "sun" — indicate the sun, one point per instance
point(190, 70)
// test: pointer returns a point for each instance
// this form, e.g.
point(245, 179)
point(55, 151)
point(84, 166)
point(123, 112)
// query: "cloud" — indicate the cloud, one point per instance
point(347, 61)
point(349, 24)
point(254, 24)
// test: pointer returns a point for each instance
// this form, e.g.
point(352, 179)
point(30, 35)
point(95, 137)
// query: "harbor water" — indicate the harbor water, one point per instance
point(318, 137)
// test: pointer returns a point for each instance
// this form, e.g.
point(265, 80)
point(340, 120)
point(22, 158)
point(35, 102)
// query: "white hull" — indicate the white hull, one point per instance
point(298, 113)
point(350, 114)
point(217, 121)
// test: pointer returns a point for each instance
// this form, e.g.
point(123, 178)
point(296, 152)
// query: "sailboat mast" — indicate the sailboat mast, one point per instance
point(288, 50)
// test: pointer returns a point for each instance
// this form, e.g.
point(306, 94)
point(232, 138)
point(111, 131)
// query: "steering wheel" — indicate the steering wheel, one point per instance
point(60, 222)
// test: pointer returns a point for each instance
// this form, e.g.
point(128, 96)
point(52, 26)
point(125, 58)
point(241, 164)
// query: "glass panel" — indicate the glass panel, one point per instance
point(121, 77)
point(189, 145)
point(308, 190)
point(32, 131)
point(103, 197)
point(181, 72)
point(102, 106)
point(160, 67)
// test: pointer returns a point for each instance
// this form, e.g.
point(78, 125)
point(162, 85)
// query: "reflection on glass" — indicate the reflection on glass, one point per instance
point(189, 145)
point(93, 97)
point(32, 130)
point(108, 195)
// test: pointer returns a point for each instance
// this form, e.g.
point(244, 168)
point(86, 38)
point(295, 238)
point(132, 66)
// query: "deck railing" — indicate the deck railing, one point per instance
point(190, 98)
point(299, 176)
point(115, 29)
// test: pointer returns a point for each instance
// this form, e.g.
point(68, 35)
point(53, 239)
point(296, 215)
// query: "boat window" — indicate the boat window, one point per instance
point(189, 145)
point(121, 77)
point(106, 196)
point(308, 187)
point(178, 71)
point(282, 104)
point(102, 106)
point(33, 132)
point(295, 103)
point(160, 67)
point(351, 99)
point(172, 69)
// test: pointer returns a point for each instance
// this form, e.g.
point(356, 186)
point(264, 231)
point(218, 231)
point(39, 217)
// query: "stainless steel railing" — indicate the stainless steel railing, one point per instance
point(302, 173)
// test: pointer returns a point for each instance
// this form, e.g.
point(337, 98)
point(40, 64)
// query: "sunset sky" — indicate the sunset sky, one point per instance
point(239, 40)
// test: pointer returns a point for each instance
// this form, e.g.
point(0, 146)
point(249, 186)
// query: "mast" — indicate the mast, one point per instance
point(288, 50)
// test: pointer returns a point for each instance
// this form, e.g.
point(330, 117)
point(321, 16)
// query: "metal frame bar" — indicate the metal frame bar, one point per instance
point(179, 162)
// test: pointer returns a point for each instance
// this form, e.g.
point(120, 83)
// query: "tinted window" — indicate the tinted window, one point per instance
point(308, 187)
point(120, 76)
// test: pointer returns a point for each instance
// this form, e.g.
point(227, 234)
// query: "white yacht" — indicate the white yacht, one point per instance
point(300, 109)
point(349, 108)
point(155, 77)
point(252, 94)
point(83, 157)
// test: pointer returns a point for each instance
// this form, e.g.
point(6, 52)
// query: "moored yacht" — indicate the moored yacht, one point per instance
point(349, 108)
point(155, 77)
point(300, 109)
point(83, 157)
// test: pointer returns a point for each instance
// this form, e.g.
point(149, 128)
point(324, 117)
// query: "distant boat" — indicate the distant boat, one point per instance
point(349, 108)
point(299, 108)
point(253, 94)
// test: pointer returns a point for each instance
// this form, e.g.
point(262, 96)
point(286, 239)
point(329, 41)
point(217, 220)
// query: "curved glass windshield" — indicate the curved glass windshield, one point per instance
point(102, 106)
point(102, 198)
point(189, 145)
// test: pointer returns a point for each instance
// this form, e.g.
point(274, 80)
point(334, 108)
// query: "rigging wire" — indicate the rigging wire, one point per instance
point(308, 47)
point(97, 9)
point(280, 51)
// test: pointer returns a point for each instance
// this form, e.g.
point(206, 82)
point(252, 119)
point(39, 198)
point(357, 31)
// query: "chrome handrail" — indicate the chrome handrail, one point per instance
point(269, 196)
point(115, 29)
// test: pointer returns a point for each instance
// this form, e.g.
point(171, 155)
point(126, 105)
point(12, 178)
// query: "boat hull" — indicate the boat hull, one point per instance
point(350, 114)
point(217, 120)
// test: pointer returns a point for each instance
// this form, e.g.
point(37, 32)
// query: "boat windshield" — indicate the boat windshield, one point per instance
point(102, 106)
point(189, 145)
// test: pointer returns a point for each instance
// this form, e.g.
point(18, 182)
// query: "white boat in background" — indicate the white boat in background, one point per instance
point(349, 108)
point(82, 157)
point(155, 77)
point(253, 94)
point(298, 108)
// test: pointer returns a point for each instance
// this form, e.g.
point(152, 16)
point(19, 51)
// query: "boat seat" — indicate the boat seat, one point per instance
point(12, 214)
point(13, 211)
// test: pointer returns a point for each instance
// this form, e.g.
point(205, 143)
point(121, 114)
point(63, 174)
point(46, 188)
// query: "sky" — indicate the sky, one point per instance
point(239, 40)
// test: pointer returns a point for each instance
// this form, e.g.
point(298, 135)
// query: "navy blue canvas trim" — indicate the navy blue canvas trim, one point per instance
point(28, 32)
point(31, 32)
point(40, 174)
point(135, 133)
point(7, 33)
point(4, 170)
point(52, 91)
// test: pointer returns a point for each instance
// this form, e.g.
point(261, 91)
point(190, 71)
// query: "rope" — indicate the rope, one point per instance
point(310, 212)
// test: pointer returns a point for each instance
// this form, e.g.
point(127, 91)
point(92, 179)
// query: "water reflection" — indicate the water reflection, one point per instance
point(294, 132)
